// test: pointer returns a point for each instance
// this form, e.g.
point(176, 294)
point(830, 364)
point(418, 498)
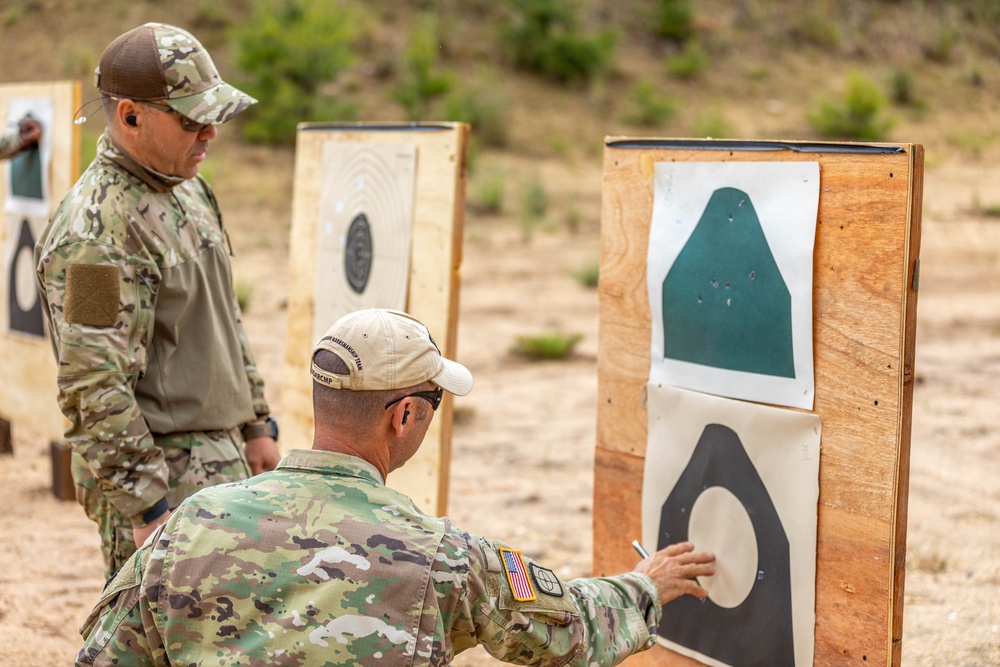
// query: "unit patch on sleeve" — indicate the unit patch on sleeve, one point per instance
point(517, 575)
point(546, 580)
point(92, 294)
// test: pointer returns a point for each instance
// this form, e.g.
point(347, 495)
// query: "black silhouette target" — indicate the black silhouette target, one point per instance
point(365, 224)
point(23, 318)
point(758, 631)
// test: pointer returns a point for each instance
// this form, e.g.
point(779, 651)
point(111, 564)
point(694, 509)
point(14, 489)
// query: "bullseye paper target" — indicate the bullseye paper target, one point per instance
point(741, 480)
point(365, 222)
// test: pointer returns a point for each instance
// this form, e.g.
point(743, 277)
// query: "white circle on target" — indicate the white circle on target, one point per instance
point(24, 269)
point(720, 524)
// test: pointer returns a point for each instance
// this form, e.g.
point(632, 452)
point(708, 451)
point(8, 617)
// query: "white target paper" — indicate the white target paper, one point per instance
point(779, 446)
point(365, 223)
point(784, 198)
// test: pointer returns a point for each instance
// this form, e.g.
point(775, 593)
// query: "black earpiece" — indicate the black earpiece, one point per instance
point(130, 120)
point(406, 413)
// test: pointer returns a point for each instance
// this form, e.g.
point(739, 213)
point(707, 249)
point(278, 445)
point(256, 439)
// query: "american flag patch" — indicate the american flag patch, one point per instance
point(517, 575)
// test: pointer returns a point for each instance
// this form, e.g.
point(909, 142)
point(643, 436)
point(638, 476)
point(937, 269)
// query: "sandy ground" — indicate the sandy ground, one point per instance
point(522, 467)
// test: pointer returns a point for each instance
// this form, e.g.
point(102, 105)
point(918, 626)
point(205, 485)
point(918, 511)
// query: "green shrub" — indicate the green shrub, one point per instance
point(288, 51)
point(860, 115)
point(941, 44)
point(649, 107)
point(546, 346)
point(589, 275)
point(813, 27)
point(489, 189)
point(420, 82)
point(485, 110)
point(689, 63)
point(675, 19)
point(544, 37)
point(534, 205)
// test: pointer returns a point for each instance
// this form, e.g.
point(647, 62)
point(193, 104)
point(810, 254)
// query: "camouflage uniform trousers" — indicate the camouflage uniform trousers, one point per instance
point(195, 460)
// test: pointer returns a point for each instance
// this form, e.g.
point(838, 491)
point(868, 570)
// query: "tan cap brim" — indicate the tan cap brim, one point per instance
point(453, 377)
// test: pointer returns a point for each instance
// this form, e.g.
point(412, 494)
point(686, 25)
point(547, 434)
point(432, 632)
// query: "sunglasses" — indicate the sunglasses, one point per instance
point(433, 397)
point(187, 124)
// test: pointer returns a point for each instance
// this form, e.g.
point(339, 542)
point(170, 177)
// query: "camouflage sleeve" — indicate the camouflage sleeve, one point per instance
point(10, 144)
point(520, 612)
point(120, 630)
point(100, 304)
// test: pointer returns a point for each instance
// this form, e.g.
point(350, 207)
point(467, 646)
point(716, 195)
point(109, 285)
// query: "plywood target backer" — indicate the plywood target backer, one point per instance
point(377, 217)
point(668, 459)
point(365, 224)
point(32, 185)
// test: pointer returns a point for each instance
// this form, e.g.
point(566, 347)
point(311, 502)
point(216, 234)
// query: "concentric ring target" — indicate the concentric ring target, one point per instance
point(365, 221)
point(358, 255)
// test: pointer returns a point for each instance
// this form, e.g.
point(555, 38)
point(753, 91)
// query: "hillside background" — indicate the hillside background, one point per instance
point(522, 469)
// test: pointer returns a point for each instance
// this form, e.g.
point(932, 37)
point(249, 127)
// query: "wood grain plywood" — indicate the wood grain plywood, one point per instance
point(436, 257)
point(28, 393)
point(864, 303)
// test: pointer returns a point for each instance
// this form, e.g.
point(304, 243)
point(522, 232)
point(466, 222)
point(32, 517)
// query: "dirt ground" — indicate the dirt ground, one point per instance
point(522, 467)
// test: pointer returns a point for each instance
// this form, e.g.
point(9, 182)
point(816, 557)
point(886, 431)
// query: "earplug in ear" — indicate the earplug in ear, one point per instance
point(130, 120)
point(406, 413)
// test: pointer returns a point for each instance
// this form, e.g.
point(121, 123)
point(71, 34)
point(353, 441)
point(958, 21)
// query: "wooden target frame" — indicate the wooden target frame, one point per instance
point(865, 275)
point(28, 394)
point(433, 281)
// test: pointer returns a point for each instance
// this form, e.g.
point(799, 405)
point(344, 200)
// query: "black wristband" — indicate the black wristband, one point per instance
point(264, 429)
point(156, 511)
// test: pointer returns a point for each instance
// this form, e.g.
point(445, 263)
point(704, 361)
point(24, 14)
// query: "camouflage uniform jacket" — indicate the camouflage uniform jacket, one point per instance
point(134, 274)
point(10, 144)
point(319, 563)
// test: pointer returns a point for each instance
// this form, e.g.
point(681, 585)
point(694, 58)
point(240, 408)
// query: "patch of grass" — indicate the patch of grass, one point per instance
point(534, 205)
point(244, 294)
point(675, 19)
point(689, 63)
point(648, 107)
point(489, 189)
point(814, 27)
point(932, 564)
point(589, 275)
point(971, 142)
point(902, 88)
point(940, 45)
point(712, 123)
point(860, 114)
point(546, 346)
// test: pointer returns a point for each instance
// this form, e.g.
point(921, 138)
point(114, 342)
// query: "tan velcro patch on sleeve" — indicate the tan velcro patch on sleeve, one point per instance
point(92, 294)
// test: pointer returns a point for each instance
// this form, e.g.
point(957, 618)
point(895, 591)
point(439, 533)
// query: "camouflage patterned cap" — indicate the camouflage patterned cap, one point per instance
point(387, 349)
point(156, 62)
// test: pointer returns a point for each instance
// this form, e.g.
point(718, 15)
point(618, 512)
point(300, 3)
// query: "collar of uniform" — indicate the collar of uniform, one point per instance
point(330, 463)
point(112, 151)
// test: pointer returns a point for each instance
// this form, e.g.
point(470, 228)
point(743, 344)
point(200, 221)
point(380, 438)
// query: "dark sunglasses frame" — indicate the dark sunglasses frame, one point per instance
point(433, 397)
point(187, 124)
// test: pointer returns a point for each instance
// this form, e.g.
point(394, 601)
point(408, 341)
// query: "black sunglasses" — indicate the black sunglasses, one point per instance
point(433, 397)
point(187, 124)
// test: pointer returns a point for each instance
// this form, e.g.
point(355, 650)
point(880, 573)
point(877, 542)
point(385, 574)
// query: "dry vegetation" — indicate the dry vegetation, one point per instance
point(524, 441)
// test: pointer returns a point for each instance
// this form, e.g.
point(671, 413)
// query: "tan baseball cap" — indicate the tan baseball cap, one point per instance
point(160, 62)
point(387, 349)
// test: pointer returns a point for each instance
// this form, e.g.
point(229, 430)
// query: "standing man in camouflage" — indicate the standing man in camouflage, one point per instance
point(27, 134)
point(155, 372)
point(320, 563)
